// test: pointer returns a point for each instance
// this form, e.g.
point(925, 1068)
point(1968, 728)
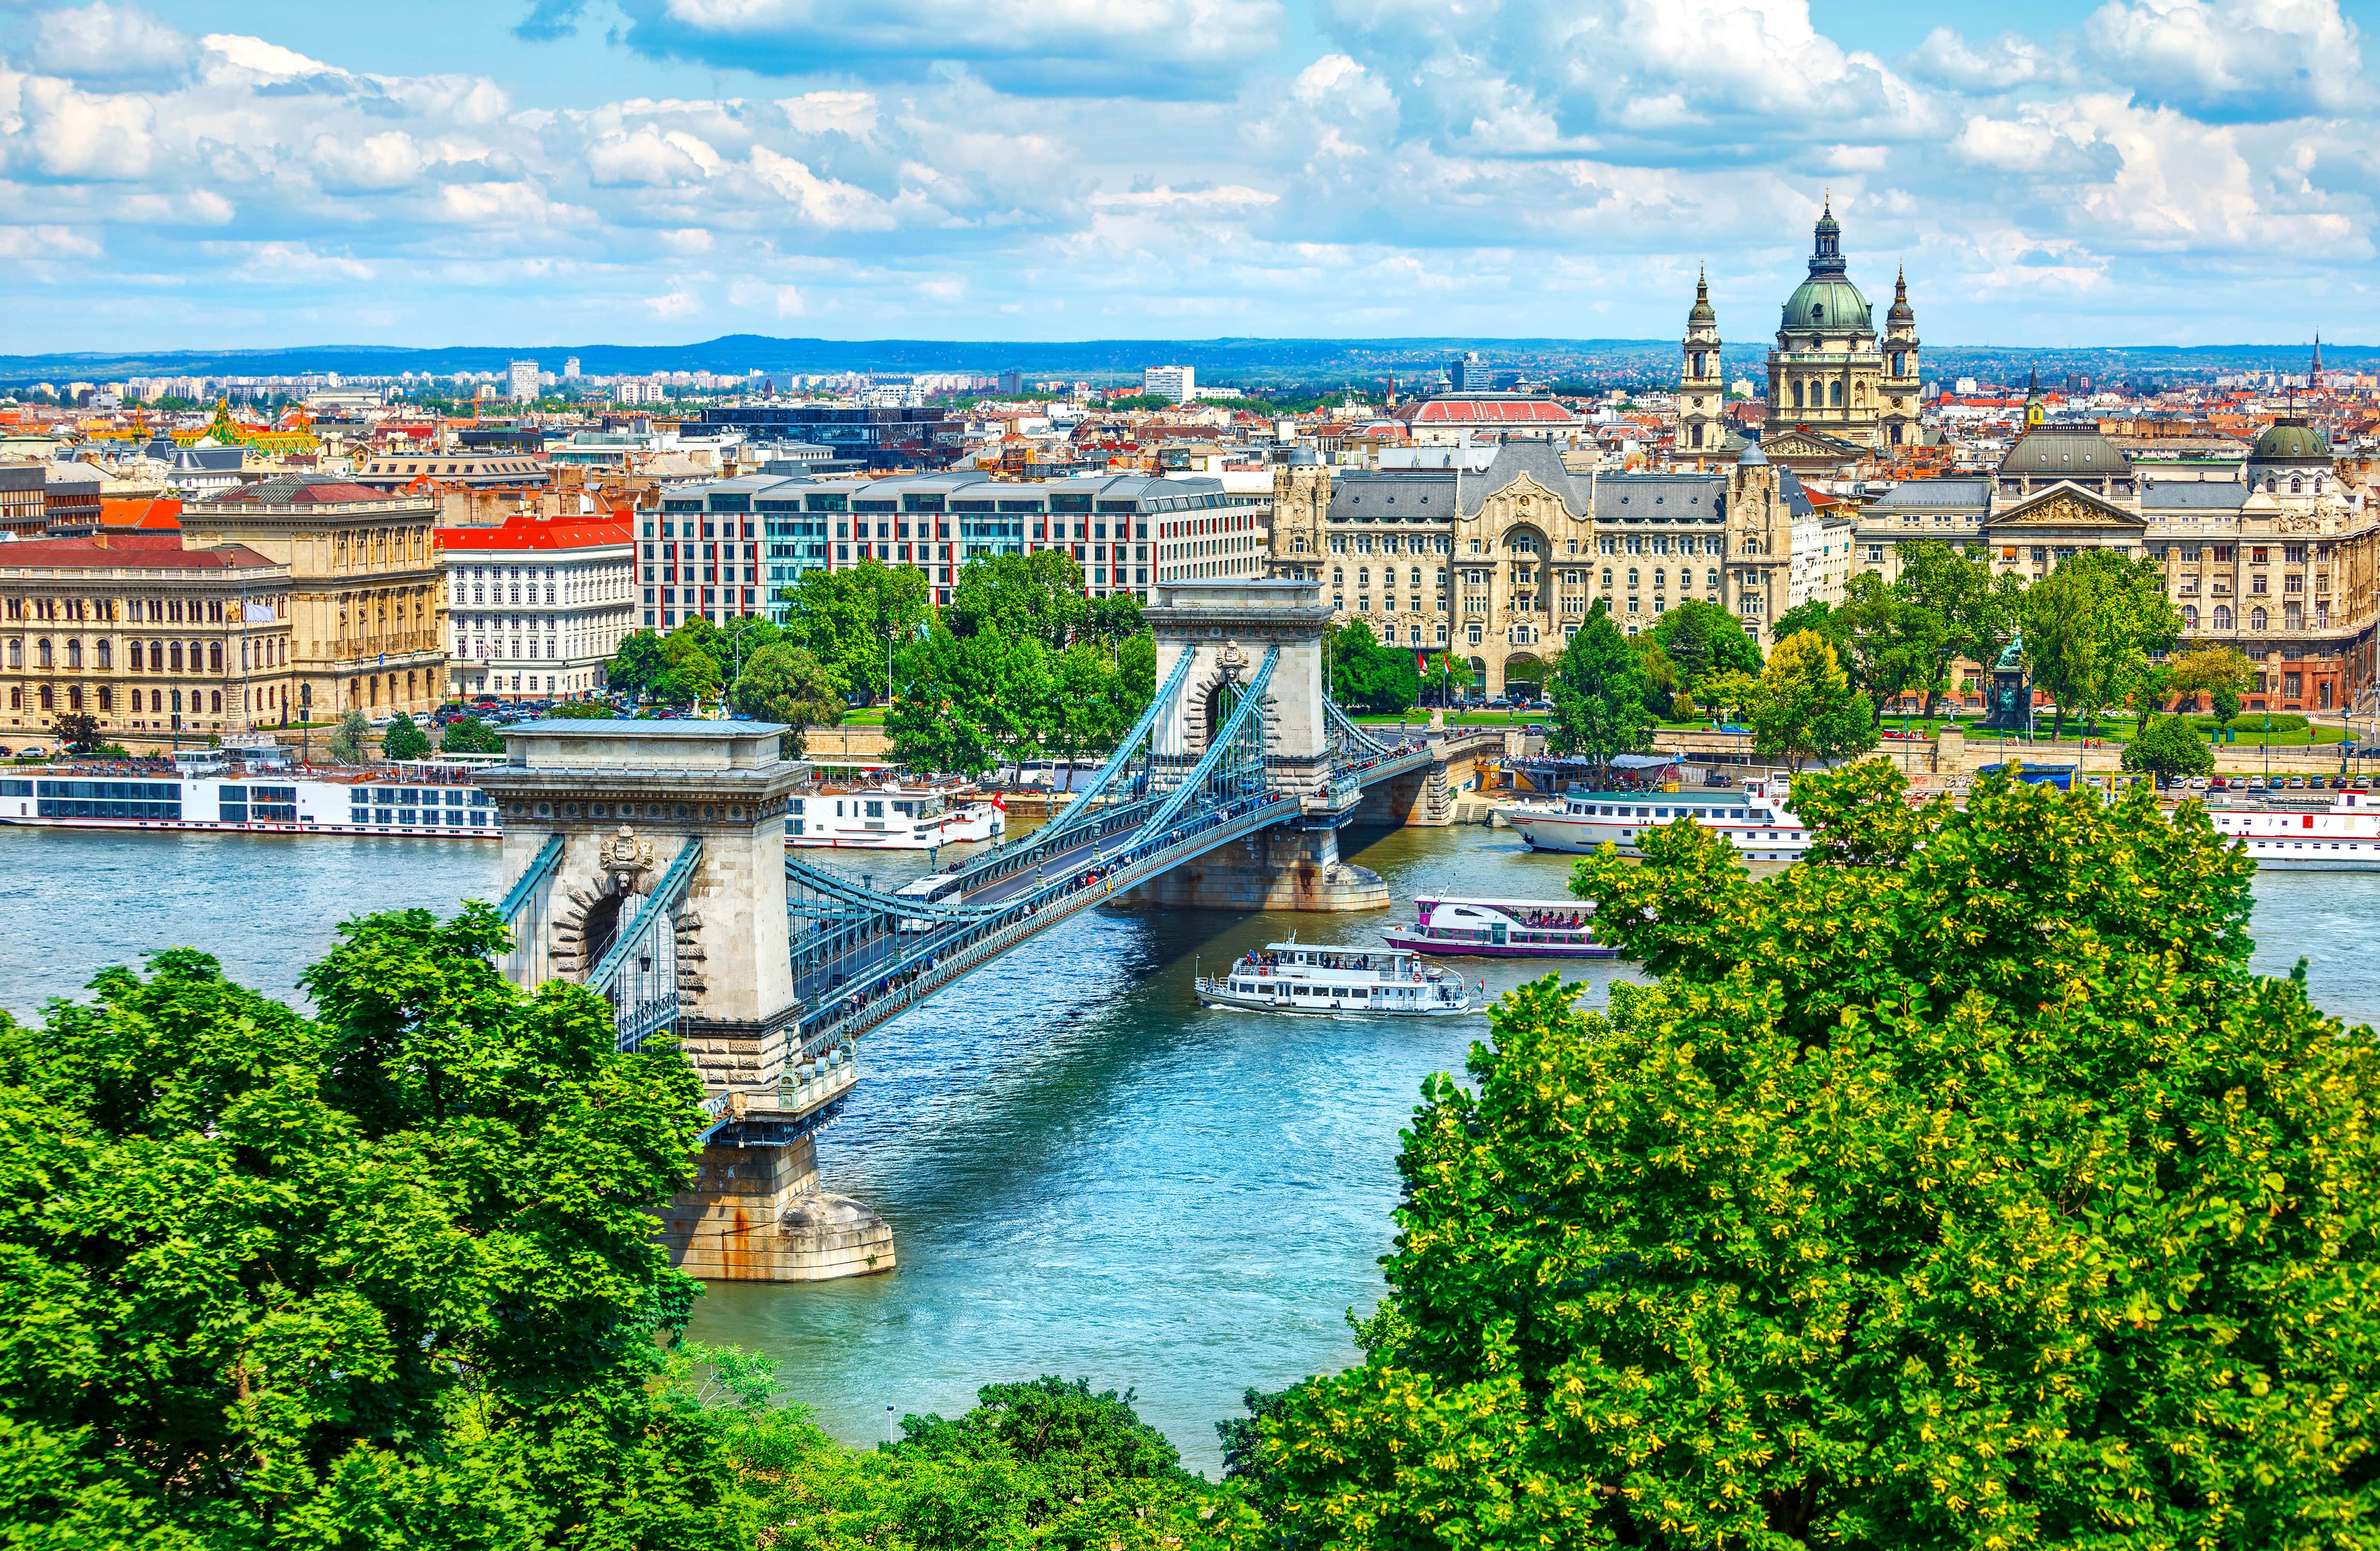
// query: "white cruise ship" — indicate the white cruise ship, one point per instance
point(1294, 976)
point(892, 818)
point(1759, 819)
point(426, 803)
point(2344, 837)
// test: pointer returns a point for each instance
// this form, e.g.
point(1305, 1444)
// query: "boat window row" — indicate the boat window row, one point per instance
point(387, 817)
point(1624, 811)
point(410, 797)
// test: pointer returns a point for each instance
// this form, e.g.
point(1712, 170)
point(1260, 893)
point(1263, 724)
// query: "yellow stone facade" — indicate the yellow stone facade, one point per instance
point(368, 610)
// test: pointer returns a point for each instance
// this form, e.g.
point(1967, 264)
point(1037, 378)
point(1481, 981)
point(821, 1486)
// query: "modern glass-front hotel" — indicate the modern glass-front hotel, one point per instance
point(735, 546)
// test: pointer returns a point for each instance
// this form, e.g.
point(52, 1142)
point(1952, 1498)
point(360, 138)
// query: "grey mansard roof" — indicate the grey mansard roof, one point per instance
point(2193, 495)
point(1438, 495)
point(1935, 495)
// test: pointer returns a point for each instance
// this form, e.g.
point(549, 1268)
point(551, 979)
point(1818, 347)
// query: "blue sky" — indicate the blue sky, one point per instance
point(184, 173)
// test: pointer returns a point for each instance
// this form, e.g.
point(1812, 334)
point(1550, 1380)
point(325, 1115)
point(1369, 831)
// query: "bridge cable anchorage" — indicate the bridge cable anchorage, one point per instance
point(1236, 748)
point(524, 912)
point(639, 972)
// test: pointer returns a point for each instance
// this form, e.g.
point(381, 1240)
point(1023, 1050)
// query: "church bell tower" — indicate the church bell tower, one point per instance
point(1899, 387)
point(1702, 389)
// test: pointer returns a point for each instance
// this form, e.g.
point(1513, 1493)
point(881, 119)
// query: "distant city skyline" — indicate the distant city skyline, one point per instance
point(194, 174)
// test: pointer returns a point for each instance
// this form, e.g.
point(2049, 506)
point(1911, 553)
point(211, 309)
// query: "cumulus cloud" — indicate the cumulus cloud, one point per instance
point(2235, 59)
point(1508, 166)
point(1142, 48)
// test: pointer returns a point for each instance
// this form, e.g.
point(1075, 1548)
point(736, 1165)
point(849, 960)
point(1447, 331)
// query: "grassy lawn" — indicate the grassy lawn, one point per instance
point(1459, 719)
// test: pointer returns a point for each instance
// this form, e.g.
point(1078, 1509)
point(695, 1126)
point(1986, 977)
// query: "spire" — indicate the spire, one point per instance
point(2035, 410)
point(2313, 373)
point(1901, 316)
point(1702, 312)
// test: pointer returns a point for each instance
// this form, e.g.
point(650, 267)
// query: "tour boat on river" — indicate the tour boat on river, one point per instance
point(1499, 929)
point(891, 817)
point(202, 792)
point(2344, 837)
point(1759, 819)
point(1294, 976)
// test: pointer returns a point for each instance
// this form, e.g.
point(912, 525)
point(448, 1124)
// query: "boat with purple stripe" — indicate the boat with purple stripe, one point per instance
point(1477, 929)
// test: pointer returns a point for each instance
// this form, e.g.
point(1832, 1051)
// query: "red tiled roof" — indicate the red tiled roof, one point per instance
point(538, 533)
point(1492, 411)
point(163, 514)
point(128, 551)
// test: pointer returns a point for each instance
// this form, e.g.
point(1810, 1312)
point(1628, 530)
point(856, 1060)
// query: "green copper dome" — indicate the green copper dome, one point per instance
point(2290, 439)
point(1827, 302)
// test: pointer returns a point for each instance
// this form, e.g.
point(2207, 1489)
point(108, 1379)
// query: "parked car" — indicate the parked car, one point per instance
point(2198, 783)
point(33, 751)
point(2297, 784)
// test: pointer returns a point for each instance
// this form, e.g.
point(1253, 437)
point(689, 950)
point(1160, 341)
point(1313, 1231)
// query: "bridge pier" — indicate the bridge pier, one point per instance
point(651, 861)
point(1289, 867)
point(757, 1214)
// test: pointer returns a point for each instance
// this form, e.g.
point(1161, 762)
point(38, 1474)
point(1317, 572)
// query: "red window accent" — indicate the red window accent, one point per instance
point(2309, 820)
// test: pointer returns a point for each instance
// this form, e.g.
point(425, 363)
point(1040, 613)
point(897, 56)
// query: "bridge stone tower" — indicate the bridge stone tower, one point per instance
point(607, 824)
point(1227, 626)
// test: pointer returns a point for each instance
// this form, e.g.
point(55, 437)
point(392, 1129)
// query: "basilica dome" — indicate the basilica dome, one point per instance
point(1824, 302)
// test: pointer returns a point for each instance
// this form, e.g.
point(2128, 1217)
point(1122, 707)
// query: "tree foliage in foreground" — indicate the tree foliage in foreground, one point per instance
point(1960, 1186)
point(384, 1278)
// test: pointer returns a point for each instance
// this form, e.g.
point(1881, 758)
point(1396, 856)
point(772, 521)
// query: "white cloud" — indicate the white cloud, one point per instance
point(233, 57)
point(75, 134)
point(104, 42)
point(2007, 62)
point(46, 242)
point(674, 304)
point(821, 201)
point(2234, 58)
point(371, 166)
point(652, 156)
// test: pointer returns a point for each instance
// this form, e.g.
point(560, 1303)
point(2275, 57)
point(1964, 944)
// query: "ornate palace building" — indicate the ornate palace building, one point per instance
point(1828, 373)
point(2277, 560)
point(159, 644)
point(1498, 566)
point(367, 612)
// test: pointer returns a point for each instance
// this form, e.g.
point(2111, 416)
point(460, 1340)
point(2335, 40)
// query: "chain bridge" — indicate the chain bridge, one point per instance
point(651, 865)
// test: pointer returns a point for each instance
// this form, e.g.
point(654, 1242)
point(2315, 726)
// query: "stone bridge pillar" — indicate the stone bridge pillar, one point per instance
point(1228, 626)
point(624, 797)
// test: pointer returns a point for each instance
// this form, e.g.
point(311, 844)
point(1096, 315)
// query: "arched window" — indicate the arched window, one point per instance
point(2297, 484)
point(106, 657)
point(73, 654)
point(217, 697)
point(156, 658)
point(2255, 619)
point(49, 701)
point(173, 657)
point(177, 702)
point(2222, 616)
point(2190, 616)
point(42, 652)
point(1834, 394)
point(1660, 579)
point(106, 698)
point(214, 656)
point(1797, 395)
point(16, 654)
point(156, 700)
point(2271, 484)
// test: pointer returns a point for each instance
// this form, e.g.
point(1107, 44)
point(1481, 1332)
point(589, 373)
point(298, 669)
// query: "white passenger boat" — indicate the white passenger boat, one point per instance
point(2345, 837)
point(423, 802)
point(893, 818)
point(1294, 976)
point(1759, 819)
point(1499, 929)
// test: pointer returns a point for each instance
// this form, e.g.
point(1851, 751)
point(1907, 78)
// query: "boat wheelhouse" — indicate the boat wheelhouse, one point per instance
point(1296, 977)
point(1482, 928)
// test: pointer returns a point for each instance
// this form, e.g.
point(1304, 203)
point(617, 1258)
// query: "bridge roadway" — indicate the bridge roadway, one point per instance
point(894, 971)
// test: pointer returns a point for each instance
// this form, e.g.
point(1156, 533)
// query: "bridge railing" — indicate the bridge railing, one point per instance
point(639, 971)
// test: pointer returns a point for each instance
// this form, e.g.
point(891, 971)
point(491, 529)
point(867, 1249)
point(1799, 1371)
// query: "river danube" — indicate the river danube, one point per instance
point(1087, 1174)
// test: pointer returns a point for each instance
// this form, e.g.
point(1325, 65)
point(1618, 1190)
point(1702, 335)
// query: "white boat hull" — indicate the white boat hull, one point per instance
point(1381, 1007)
point(958, 828)
point(1548, 831)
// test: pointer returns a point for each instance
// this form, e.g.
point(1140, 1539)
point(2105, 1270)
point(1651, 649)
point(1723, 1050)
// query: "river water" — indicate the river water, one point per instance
point(1086, 1173)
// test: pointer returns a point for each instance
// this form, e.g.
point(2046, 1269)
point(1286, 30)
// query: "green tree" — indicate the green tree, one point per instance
point(402, 740)
point(1114, 618)
point(854, 621)
point(1802, 707)
point(360, 1279)
point(1598, 689)
point(1815, 615)
point(2089, 626)
point(636, 668)
point(2226, 706)
point(1892, 645)
point(2203, 672)
point(1703, 641)
point(468, 735)
point(1955, 585)
point(2171, 747)
point(76, 732)
point(582, 710)
point(970, 702)
point(692, 673)
point(785, 683)
point(1959, 1186)
point(350, 743)
point(1038, 594)
point(1368, 676)
point(1663, 684)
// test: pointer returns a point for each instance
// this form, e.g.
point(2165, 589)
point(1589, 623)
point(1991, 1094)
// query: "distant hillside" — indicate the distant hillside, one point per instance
point(1222, 360)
